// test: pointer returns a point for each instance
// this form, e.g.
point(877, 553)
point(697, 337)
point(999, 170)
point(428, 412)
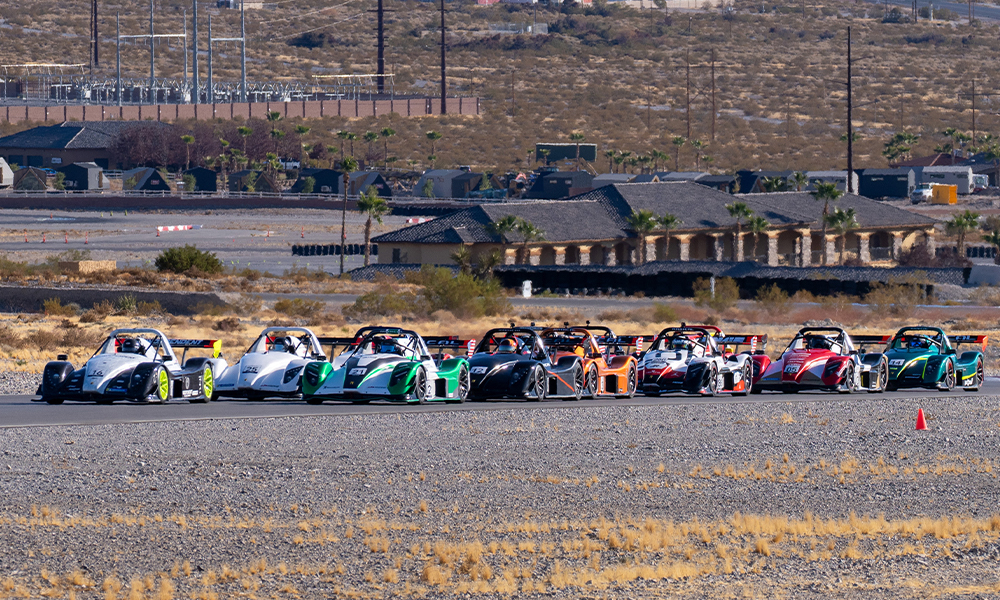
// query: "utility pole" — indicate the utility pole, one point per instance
point(210, 93)
point(444, 82)
point(195, 92)
point(95, 59)
point(152, 43)
point(901, 113)
point(850, 124)
point(380, 66)
point(243, 52)
point(118, 52)
point(973, 104)
point(688, 97)
point(513, 101)
point(185, 46)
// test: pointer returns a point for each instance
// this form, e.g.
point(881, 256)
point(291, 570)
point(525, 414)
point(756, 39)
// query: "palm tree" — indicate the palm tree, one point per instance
point(993, 238)
point(188, 140)
point(773, 184)
point(329, 154)
point(827, 192)
point(374, 207)
point(348, 166)
point(433, 136)
point(799, 180)
point(545, 155)
point(502, 228)
point(698, 146)
point(385, 134)
point(370, 137)
point(669, 222)
point(610, 154)
point(529, 233)
point(841, 221)
point(273, 117)
point(463, 258)
point(658, 155)
point(756, 225)
point(577, 137)
point(960, 225)
point(301, 130)
point(642, 222)
point(351, 137)
point(678, 141)
point(244, 133)
point(738, 211)
point(277, 135)
point(619, 159)
point(343, 135)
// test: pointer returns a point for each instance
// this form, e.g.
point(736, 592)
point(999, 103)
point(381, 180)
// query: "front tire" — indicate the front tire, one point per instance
point(420, 390)
point(948, 382)
point(207, 386)
point(593, 383)
point(161, 385)
point(314, 400)
point(848, 384)
point(712, 385)
point(578, 382)
point(464, 385)
point(748, 379)
point(538, 388)
point(53, 400)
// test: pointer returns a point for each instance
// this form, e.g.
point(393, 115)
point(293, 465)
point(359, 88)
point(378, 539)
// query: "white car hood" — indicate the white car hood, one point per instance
point(100, 370)
point(660, 359)
point(253, 368)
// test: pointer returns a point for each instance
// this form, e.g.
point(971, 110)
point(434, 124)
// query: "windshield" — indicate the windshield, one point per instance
point(818, 341)
point(293, 342)
point(523, 343)
point(917, 342)
point(577, 341)
point(147, 345)
point(401, 343)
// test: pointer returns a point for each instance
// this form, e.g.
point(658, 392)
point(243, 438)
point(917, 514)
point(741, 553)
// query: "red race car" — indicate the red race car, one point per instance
point(820, 358)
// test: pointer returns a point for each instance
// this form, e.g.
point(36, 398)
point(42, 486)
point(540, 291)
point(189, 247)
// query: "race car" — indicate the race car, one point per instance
point(605, 372)
point(513, 362)
point(925, 357)
point(137, 365)
point(272, 365)
point(389, 363)
point(700, 359)
point(824, 358)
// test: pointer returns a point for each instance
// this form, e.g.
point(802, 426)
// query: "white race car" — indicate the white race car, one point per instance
point(698, 360)
point(138, 365)
point(273, 365)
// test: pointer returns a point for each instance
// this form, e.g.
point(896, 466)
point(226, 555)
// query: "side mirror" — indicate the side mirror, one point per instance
point(62, 357)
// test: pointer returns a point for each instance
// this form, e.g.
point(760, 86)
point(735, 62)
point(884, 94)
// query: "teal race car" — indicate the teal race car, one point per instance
point(926, 357)
point(390, 363)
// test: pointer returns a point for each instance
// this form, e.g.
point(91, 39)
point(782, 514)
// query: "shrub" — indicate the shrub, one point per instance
point(189, 182)
point(228, 324)
point(664, 313)
point(43, 339)
point(773, 300)
point(148, 308)
point(126, 305)
point(383, 302)
point(727, 293)
point(247, 304)
point(187, 258)
point(308, 185)
point(54, 307)
point(299, 307)
point(80, 338)
point(463, 295)
point(893, 299)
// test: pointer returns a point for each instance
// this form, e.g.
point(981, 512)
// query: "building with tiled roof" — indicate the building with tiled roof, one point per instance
point(593, 229)
point(53, 146)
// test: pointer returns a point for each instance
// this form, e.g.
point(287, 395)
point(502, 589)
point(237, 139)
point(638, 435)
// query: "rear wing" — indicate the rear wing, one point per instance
point(451, 343)
point(215, 345)
point(871, 340)
point(639, 342)
point(336, 342)
point(981, 340)
point(757, 343)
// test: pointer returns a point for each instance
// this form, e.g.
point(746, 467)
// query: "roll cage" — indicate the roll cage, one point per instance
point(568, 339)
point(840, 342)
point(905, 337)
point(529, 342)
point(404, 342)
point(699, 336)
point(305, 345)
point(151, 343)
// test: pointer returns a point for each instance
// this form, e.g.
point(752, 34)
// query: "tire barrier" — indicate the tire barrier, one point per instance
point(331, 250)
point(980, 252)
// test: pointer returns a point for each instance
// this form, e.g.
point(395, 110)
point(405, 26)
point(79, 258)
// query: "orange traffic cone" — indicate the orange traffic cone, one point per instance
point(921, 424)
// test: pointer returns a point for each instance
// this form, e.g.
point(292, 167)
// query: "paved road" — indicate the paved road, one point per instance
point(20, 411)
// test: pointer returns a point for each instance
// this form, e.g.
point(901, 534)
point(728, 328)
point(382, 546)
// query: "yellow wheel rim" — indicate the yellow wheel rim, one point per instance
point(163, 387)
point(208, 382)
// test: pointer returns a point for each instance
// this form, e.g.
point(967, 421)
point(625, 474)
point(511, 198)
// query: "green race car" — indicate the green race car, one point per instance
point(925, 357)
point(389, 363)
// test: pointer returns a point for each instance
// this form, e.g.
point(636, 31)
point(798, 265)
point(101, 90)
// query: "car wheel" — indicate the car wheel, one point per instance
point(948, 382)
point(420, 386)
point(54, 400)
point(593, 383)
point(979, 377)
point(881, 378)
point(464, 384)
point(891, 386)
point(207, 386)
point(847, 386)
point(314, 400)
point(537, 387)
point(631, 383)
point(748, 379)
point(578, 382)
point(161, 385)
point(712, 385)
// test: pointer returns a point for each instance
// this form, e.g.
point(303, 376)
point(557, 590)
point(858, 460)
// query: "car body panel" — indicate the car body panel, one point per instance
point(808, 364)
point(920, 356)
point(272, 366)
point(596, 352)
point(684, 359)
point(495, 374)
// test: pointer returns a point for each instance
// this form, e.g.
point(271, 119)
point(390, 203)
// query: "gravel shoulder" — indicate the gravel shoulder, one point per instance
point(779, 500)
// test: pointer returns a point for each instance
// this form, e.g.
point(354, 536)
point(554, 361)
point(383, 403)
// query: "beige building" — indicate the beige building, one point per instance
point(593, 229)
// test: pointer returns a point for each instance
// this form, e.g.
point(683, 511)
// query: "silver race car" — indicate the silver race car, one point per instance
point(272, 366)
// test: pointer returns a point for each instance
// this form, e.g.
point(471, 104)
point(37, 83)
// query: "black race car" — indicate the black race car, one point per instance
point(514, 363)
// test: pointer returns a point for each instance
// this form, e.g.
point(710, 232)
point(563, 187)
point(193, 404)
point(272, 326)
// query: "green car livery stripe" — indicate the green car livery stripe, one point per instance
point(356, 374)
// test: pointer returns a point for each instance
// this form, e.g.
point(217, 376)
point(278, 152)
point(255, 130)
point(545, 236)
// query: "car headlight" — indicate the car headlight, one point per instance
point(312, 375)
point(516, 376)
point(291, 374)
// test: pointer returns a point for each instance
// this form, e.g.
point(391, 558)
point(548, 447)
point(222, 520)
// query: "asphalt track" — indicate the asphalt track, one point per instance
point(20, 411)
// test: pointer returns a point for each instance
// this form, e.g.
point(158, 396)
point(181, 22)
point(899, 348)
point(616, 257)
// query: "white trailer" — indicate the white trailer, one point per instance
point(956, 175)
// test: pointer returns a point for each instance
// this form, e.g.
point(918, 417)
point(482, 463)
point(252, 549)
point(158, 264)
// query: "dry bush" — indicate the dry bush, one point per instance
point(985, 295)
point(54, 308)
point(80, 338)
point(893, 299)
point(773, 300)
point(299, 307)
point(44, 340)
point(229, 324)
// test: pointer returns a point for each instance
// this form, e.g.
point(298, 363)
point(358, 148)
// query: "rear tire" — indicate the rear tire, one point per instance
point(948, 382)
point(882, 378)
point(53, 400)
point(748, 378)
point(978, 378)
point(631, 383)
point(207, 386)
point(848, 385)
point(314, 401)
point(464, 385)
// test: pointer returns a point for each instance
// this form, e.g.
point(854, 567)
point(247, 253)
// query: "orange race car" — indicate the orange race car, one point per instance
point(609, 369)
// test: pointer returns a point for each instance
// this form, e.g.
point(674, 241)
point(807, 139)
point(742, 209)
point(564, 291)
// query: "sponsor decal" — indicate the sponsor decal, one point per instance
point(638, 344)
point(753, 344)
point(792, 368)
point(250, 369)
point(472, 350)
point(357, 371)
point(479, 370)
point(97, 373)
point(896, 362)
